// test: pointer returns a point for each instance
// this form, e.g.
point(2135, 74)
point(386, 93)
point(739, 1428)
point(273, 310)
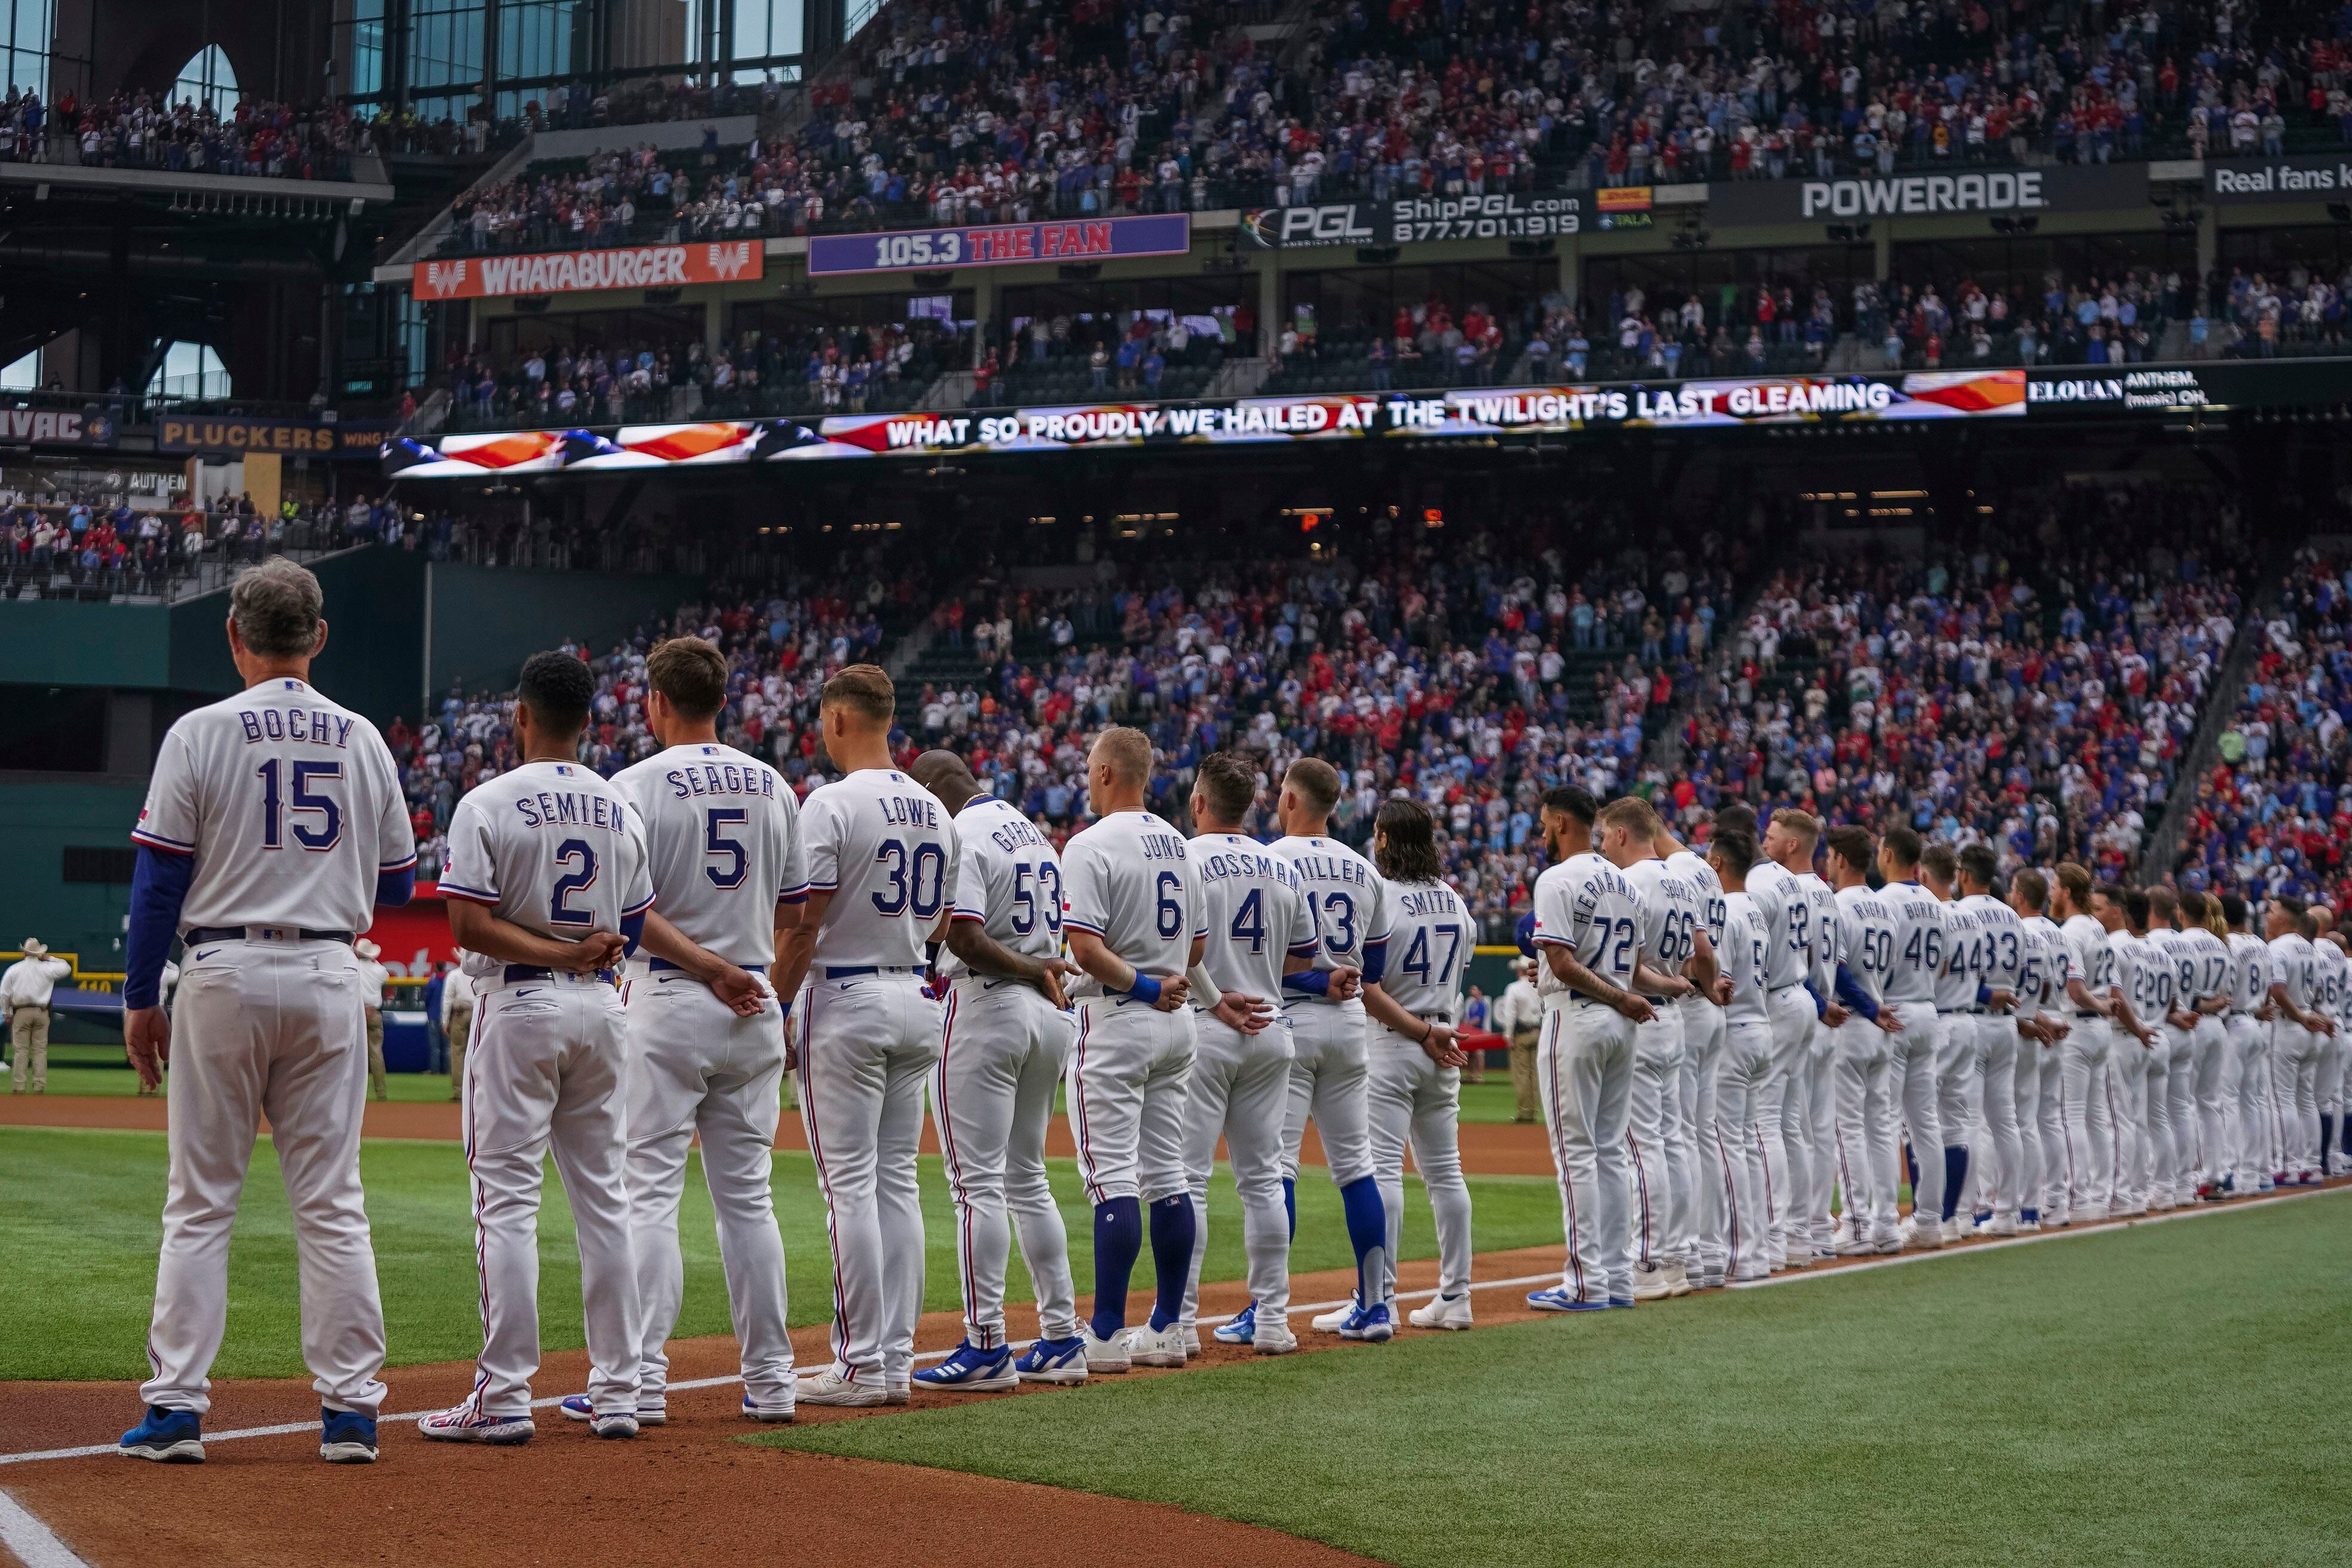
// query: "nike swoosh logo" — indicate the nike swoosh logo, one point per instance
point(527, 990)
point(201, 956)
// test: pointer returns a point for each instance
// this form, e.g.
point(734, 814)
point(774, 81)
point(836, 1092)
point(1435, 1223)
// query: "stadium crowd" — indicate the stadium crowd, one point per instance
point(182, 134)
point(2040, 704)
point(2274, 815)
point(86, 545)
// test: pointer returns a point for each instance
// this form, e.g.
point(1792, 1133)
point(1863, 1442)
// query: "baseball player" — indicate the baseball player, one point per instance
point(1813, 1082)
point(2297, 1033)
point(1703, 1037)
point(1588, 924)
point(1998, 957)
point(548, 890)
point(1744, 1077)
point(2197, 1111)
point(376, 977)
point(1415, 1066)
point(1958, 1082)
point(2170, 1144)
point(2328, 1089)
point(1005, 1044)
point(25, 992)
point(1658, 1143)
point(2041, 1025)
point(705, 1036)
point(2142, 980)
point(2246, 1089)
point(2085, 1152)
point(274, 825)
point(1327, 1071)
point(1261, 929)
point(883, 871)
point(1137, 924)
point(457, 1022)
point(1867, 1157)
point(1913, 1089)
point(1784, 1119)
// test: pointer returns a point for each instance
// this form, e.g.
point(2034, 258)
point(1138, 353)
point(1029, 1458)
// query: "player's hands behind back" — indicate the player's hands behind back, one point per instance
point(597, 950)
point(741, 990)
point(1242, 1013)
point(1050, 982)
point(147, 1037)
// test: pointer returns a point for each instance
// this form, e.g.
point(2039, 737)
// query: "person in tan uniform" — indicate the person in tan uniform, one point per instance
point(373, 977)
point(1518, 1017)
point(457, 1022)
point(25, 998)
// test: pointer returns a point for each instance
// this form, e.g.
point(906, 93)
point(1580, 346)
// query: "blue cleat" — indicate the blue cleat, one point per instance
point(1557, 1299)
point(167, 1436)
point(1372, 1325)
point(346, 1437)
point(1620, 1300)
point(580, 1407)
point(1053, 1361)
point(1241, 1330)
point(970, 1370)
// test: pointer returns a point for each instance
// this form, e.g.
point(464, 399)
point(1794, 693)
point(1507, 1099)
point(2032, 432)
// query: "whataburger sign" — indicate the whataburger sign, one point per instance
point(587, 271)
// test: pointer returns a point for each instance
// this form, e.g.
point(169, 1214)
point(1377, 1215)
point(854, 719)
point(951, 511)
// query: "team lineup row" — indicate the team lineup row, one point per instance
point(1727, 1041)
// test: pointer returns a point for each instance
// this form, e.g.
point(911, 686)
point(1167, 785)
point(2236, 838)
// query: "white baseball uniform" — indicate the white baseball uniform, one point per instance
point(1658, 1144)
point(2086, 1101)
point(1960, 1079)
point(553, 849)
point(1914, 1088)
point(2294, 1057)
point(1414, 1103)
point(2140, 974)
point(2327, 1088)
point(1584, 1067)
point(1999, 1174)
point(1703, 1037)
point(1129, 878)
point(2246, 1095)
point(2043, 978)
point(1781, 900)
point(1004, 1049)
point(1812, 1111)
point(1745, 1083)
point(2199, 1120)
point(290, 807)
point(723, 849)
point(1328, 1068)
point(1867, 1155)
point(1242, 1085)
point(885, 850)
point(2171, 1086)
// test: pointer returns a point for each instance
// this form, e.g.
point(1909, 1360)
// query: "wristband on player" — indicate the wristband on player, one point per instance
point(1145, 988)
point(1308, 982)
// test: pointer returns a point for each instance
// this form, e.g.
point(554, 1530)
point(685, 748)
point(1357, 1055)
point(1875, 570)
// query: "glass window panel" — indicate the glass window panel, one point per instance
point(208, 80)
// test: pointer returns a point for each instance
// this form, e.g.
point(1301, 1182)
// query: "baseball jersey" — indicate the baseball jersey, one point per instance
point(2250, 972)
point(2093, 952)
point(885, 847)
point(289, 805)
point(1347, 897)
point(2042, 981)
point(1129, 880)
point(1693, 869)
point(2296, 967)
point(2179, 960)
point(1585, 904)
point(551, 848)
point(2001, 944)
point(1824, 922)
point(2144, 978)
point(1918, 944)
point(722, 844)
point(1430, 938)
point(1257, 913)
point(1672, 909)
point(1010, 881)
point(1956, 983)
point(2333, 975)
point(1745, 952)
point(1772, 889)
point(1866, 938)
point(2209, 957)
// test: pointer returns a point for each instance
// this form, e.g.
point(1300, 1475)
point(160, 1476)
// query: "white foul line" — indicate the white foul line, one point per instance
point(34, 1543)
point(1793, 1276)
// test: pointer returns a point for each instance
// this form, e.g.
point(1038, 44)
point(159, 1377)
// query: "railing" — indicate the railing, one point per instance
point(285, 160)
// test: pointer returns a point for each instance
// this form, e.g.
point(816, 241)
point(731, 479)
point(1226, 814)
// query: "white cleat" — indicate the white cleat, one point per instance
point(1105, 1355)
point(1679, 1281)
point(1332, 1322)
point(829, 1387)
point(1148, 1346)
point(1442, 1313)
point(1274, 1336)
point(1954, 1230)
point(1926, 1235)
point(1650, 1282)
point(1191, 1339)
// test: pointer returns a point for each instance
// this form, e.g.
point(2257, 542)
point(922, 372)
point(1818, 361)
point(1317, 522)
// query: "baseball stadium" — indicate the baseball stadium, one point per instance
point(836, 781)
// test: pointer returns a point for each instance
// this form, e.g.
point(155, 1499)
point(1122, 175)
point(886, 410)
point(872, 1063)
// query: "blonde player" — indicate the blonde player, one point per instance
point(706, 1035)
point(1260, 928)
point(1136, 924)
point(2201, 1117)
point(1958, 1082)
point(1005, 1044)
point(1589, 922)
point(1416, 1066)
point(274, 825)
point(1703, 1038)
point(2336, 990)
point(1865, 1107)
point(1812, 1112)
point(1744, 1082)
point(1327, 1073)
point(1657, 1143)
point(2298, 1032)
point(547, 890)
point(2041, 1027)
point(2087, 1132)
point(1785, 1121)
point(882, 873)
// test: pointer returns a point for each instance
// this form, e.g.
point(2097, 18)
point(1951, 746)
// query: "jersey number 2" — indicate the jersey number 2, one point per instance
point(577, 854)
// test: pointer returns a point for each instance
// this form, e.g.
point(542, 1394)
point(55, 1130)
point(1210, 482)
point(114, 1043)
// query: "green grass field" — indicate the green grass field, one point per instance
point(2168, 1394)
point(81, 1210)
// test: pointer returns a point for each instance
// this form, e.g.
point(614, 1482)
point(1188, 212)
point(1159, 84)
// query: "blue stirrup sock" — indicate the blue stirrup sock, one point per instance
point(1290, 1204)
point(1956, 1170)
point(1368, 1232)
point(2330, 1157)
point(1171, 1255)
point(1118, 1241)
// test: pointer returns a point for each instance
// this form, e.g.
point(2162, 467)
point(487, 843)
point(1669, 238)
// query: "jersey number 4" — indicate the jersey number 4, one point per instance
point(275, 804)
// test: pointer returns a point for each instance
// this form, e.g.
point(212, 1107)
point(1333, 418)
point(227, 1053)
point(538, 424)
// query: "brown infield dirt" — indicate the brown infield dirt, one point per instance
point(1488, 1148)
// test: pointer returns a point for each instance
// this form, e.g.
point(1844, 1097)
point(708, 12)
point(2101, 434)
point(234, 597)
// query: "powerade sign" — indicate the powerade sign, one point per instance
point(1002, 245)
point(1412, 220)
point(2325, 177)
point(1989, 192)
